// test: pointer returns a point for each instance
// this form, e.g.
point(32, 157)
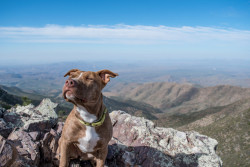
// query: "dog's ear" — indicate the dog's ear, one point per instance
point(73, 70)
point(105, 75)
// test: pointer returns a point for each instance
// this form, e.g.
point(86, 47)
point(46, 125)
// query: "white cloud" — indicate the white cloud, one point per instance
point(124, 34)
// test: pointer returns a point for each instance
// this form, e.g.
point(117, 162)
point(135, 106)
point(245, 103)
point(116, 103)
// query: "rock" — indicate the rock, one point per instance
point(26, 147)
point(30, 124)
point(25, 111)
point(136, 141)
point(49, 145)
point(35, 135)
point(2, 110)
point(5, 129)
point(32, 135)
point(43, 117)
point(59, 128)
point(46, 108)
point(29, 118)
point(7, 153)
point(13, 119)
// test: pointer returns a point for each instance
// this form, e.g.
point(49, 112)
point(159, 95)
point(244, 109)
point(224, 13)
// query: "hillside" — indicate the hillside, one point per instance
point(8, 100)
point(180, 98)
point(229, 125)
point(232, 132)
point(135, 108)
point(19, 92)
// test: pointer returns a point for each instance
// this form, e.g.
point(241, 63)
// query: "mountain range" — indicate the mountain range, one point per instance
point(179, 98)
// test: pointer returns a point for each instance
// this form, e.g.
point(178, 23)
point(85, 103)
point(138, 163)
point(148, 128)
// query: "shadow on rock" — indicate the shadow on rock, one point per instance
point(144, 156)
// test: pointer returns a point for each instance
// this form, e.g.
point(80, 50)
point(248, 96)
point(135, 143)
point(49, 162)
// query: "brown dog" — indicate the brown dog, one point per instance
point(88, 128)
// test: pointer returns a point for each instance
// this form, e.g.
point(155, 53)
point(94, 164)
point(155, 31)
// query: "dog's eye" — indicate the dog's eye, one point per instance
point(91, 79)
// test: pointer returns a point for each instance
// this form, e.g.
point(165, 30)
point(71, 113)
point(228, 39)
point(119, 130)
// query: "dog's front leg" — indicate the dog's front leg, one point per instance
point(101, 157)
point(64, 156)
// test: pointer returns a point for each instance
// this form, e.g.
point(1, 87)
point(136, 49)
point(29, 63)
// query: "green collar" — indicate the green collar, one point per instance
point(98, 122)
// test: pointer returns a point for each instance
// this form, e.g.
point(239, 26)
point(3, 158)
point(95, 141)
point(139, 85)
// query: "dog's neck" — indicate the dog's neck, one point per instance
point(90, 112)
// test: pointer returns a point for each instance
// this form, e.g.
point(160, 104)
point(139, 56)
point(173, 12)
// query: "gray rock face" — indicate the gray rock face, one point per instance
point(30, 138)
point(23, 129)
point(136, 141)
point(30, 118)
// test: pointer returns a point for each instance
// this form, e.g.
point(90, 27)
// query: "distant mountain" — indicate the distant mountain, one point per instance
point(180, 98)
point(19, 92)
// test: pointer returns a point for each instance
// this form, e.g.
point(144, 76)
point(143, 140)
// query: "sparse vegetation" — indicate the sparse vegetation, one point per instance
point(26, 101)
point(4, 105)
point(62, 115)
point(232, 132)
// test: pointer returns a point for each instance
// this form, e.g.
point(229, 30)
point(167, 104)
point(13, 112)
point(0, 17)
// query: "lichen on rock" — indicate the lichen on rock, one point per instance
point(144, 144)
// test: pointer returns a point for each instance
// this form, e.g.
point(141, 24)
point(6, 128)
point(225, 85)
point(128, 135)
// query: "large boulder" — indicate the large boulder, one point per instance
point(7, 152)
point(5, 129)
point(137, 142)
point(30, 118)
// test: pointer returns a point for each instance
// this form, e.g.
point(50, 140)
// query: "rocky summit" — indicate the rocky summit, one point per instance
point(29, 137)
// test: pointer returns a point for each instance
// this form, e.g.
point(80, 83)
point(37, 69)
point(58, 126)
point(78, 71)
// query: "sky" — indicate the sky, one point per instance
point(43, 31)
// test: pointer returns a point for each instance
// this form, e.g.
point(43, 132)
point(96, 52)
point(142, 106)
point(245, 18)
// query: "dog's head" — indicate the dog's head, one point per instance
point(83, 87)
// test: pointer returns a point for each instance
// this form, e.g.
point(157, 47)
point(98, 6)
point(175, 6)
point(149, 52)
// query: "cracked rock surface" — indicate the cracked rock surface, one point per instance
point(25, 132)
point(136, 141)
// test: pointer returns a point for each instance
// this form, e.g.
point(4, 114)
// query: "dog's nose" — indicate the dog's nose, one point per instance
point(70, 83)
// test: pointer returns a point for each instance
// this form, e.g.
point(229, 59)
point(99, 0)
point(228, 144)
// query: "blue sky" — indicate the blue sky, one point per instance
point(37, 31)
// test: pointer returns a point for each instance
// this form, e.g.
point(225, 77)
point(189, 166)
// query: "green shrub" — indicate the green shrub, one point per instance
point(61, 113)
point(26, 101)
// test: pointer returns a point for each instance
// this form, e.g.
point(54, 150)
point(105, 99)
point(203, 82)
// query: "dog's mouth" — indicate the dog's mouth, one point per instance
point(69, 95)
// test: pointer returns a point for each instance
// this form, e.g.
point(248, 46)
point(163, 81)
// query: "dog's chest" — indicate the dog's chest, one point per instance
point(89, 141)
